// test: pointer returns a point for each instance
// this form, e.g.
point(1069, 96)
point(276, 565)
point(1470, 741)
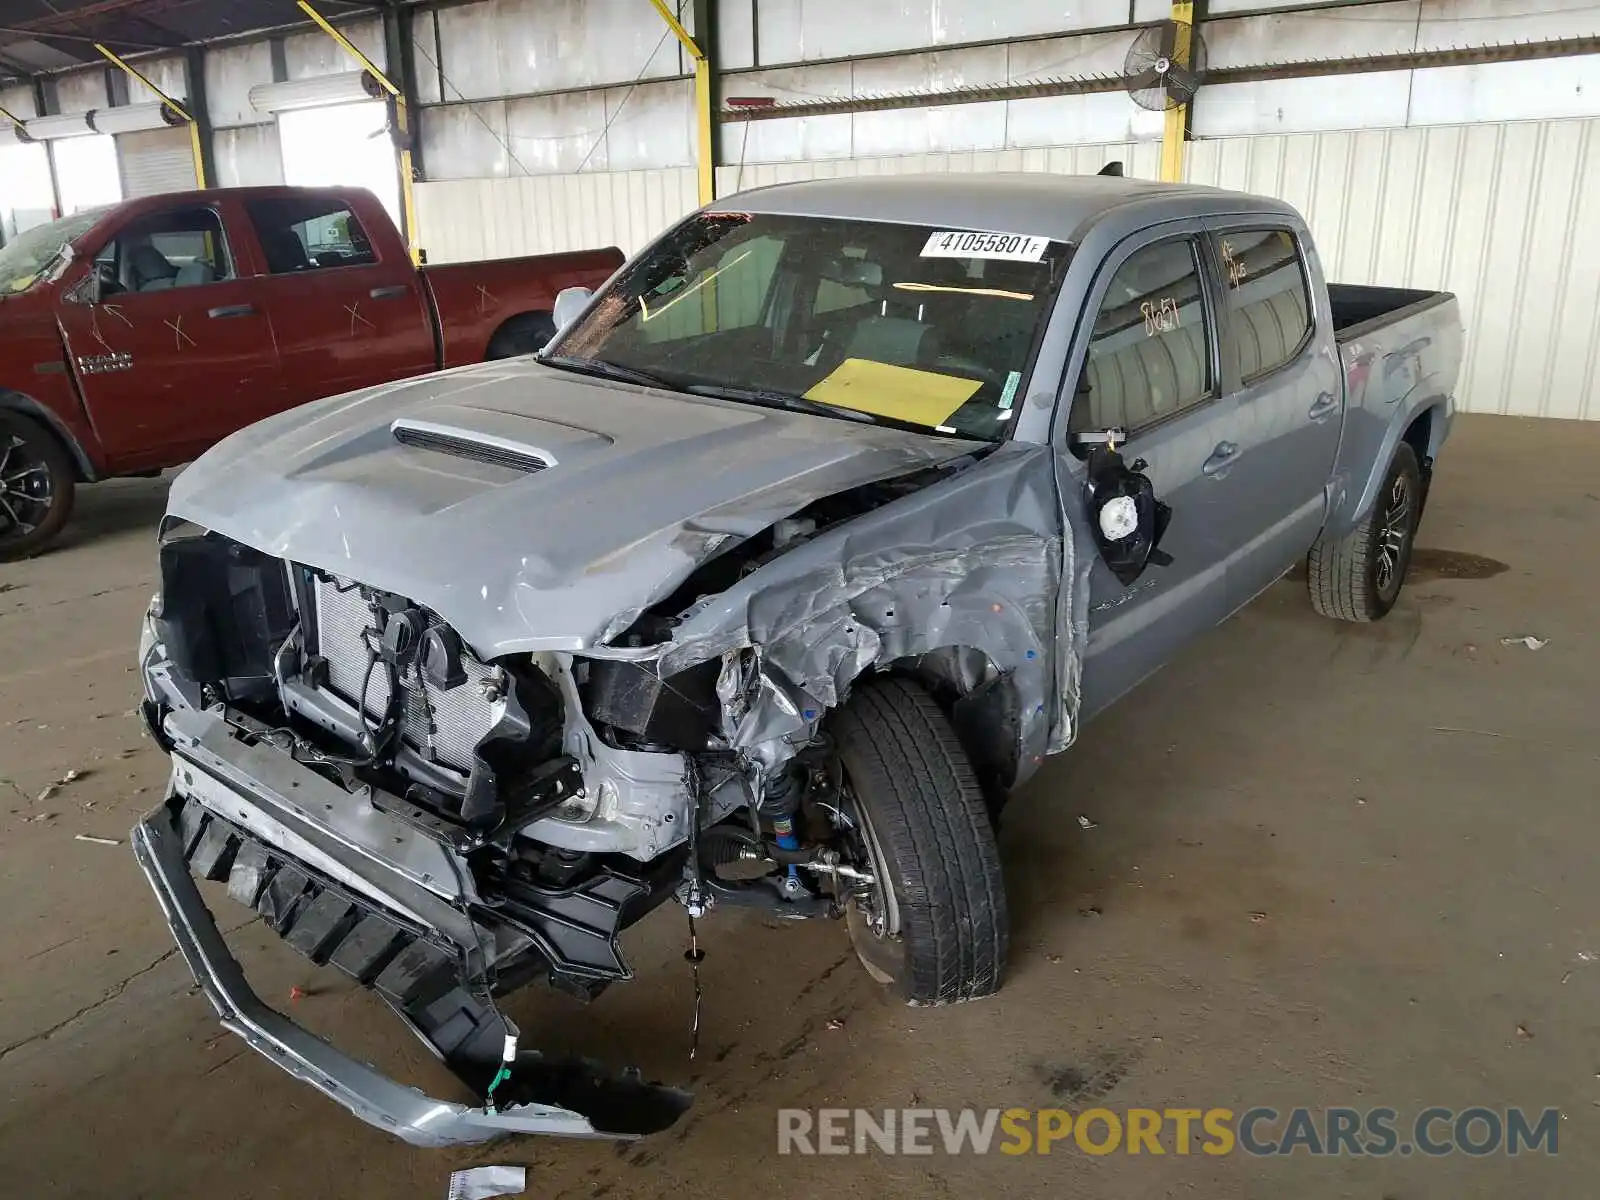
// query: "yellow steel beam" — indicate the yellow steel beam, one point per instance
point(349, 47)
point(1175, 132)
point(402, 121)
point(705, 128)
point(17, 121)
point(194, 126)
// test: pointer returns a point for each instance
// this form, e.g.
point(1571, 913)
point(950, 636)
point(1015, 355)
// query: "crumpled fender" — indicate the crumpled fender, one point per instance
point(974, 561)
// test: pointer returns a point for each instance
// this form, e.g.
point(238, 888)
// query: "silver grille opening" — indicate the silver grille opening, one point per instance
point(442, 726)
point(469, 448)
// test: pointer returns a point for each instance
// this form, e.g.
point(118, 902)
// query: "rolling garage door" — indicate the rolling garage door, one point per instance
point(155, 161)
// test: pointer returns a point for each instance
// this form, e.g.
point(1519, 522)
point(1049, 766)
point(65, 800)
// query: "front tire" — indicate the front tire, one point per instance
point(1358, 577)
point(934, 927)
point(37, 487)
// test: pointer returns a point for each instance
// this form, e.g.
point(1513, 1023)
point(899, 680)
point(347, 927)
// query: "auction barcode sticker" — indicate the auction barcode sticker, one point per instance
point(1017, 247)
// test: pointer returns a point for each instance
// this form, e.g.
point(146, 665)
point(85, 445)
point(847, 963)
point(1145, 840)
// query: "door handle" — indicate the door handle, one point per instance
point(1221, 459)
point(1326, 405)
point(388, 293)
point(231, 310)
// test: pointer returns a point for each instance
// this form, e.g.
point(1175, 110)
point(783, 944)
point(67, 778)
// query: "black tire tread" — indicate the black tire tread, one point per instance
point(1339, 572)
point(907, 765)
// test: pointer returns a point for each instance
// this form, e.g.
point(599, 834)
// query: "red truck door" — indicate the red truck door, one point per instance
point(345, 302)
point(168, 341)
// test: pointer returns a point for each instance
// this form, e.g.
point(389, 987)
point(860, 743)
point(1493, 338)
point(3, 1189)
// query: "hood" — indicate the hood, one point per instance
point(532, 508)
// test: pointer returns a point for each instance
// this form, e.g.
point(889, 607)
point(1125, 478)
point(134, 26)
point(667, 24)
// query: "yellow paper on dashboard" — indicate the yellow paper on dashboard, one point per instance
point(904, 393)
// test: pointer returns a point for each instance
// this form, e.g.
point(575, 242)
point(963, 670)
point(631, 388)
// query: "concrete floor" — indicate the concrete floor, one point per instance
point(1332, 865)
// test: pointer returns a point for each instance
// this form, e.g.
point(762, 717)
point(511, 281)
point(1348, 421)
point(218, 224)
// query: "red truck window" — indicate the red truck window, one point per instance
point(309, 234)
point(180, 248)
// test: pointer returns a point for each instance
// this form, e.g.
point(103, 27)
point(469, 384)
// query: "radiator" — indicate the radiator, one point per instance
point(442, 726)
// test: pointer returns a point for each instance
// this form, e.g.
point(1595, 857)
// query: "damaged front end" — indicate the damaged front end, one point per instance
point(347, 766)
point(446, 826)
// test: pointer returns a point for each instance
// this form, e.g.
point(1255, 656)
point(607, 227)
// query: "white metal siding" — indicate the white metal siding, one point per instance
point(156, 161)
point(466, 219)
point(1139, 158)
point(1497, 214)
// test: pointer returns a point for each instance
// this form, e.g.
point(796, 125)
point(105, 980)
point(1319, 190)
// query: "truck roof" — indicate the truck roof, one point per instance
point(1049, 205)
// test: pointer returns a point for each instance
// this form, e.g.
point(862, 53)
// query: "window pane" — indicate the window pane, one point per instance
point(1270, 312)
point(298, 235)
point(1147, 356)
point(178, 249)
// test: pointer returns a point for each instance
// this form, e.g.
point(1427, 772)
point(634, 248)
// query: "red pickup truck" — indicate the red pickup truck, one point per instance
point(133, 338)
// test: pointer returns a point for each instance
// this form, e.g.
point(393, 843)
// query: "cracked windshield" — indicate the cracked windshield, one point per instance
point(904, 325)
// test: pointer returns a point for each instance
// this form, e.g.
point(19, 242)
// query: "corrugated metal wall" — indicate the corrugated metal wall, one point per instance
point(538, 214)
point(1495, 213)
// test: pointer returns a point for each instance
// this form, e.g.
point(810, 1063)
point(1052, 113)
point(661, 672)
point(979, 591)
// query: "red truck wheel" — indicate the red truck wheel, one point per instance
point(36, 487)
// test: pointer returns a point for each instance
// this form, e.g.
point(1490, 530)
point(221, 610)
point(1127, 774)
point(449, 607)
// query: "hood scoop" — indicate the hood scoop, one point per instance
point(475, 446)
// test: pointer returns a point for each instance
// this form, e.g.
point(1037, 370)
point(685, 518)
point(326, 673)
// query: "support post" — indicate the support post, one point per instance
point(402, 125)
point(704, 92)
point(200, 132)
point(1176, 131)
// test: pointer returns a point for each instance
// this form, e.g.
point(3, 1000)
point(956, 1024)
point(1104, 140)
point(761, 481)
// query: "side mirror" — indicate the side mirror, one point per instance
point(1127, 519)
point(570, 303)
point(93, 286)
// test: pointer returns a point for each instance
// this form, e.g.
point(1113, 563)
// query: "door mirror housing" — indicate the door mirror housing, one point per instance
point(93, 286)
point(570, 303)
point(1127, 518)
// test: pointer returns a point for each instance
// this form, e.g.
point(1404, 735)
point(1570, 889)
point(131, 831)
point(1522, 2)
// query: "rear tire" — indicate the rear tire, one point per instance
point(37, 487)
point(524, 334)
point(1358, 577)
point(938, 935)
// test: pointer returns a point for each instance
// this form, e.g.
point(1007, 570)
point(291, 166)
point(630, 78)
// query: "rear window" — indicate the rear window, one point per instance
point(309, 234)
point(1269, 305)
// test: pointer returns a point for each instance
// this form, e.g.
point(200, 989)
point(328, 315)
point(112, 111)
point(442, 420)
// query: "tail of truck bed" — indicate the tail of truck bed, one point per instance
point(1401, 352)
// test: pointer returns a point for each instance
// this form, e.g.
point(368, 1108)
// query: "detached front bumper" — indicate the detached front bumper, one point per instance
point(253, 812)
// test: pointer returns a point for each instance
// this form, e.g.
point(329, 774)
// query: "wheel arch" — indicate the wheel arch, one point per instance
point(1422, 428)
point(506, 325)
point(19, 402)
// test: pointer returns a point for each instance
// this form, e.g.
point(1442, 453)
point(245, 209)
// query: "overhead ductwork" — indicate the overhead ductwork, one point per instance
point(63, 125)
point(135, 118)
point(347, 88)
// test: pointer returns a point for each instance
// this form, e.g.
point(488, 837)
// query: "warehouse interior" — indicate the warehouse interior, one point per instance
point(1307, 865)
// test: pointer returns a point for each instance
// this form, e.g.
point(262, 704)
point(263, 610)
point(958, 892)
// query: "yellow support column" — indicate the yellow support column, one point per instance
point(402, 121)
point(704, 126)
point(1176, 131)
point(194, 126)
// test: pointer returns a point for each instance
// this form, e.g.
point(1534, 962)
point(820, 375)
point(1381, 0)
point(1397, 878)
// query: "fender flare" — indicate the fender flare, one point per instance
point(20, 402)
point(1386, 448)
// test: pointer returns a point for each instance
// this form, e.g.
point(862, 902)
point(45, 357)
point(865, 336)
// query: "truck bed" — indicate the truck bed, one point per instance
point(1359, 309)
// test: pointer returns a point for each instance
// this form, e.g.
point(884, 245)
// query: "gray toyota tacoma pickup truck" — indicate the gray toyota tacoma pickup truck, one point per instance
point(806, 540)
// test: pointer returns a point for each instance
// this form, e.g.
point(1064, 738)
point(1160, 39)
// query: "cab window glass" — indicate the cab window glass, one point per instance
point(309, 234)
point(182, 248)
point(1148, 356)
point(1269, 307)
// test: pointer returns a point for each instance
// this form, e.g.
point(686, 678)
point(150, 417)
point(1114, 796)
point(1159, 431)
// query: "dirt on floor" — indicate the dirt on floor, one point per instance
point(1325, 866)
